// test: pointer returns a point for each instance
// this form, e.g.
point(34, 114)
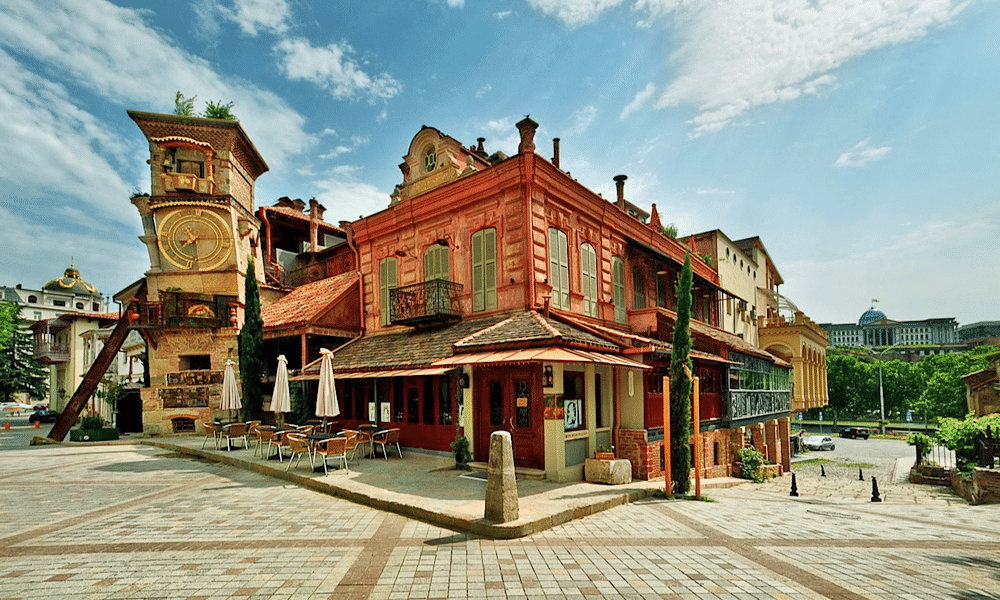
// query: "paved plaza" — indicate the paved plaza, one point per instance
point(139, 521)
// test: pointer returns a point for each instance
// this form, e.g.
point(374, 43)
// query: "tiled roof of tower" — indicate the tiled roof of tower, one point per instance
point(405, 348)
point(533, 327)
point(305, 302)
point(292, 213)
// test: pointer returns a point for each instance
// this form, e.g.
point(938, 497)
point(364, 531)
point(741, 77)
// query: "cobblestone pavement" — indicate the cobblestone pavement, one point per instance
point(140, 522)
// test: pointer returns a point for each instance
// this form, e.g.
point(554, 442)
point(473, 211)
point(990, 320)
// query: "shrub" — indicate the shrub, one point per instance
point(960, 435)
point(751, 461)
point(922, 441)
point(91, 422)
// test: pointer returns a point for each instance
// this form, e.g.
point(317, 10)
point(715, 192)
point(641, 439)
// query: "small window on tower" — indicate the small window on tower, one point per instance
point(197, 362)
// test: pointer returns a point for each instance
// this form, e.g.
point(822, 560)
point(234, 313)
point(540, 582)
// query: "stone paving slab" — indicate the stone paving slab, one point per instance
point(186, 529)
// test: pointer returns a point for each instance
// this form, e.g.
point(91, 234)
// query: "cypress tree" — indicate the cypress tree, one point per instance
point(680, 385)
point(251, 348)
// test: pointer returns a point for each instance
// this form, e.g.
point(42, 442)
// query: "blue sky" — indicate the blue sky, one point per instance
point(859, 139)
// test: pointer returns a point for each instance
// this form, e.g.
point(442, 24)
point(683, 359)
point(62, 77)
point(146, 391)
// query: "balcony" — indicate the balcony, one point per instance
point(179, 309)
point(186, 182)
point(434, 301)
point(49, 353)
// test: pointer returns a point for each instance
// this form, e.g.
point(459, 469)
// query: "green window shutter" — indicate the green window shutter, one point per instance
point(387, 282)
point(559, 268)
point(490, 268)
point(588, 279)
point(638, 289)
point(436, 264)
point(477, 271)
point(618, 288)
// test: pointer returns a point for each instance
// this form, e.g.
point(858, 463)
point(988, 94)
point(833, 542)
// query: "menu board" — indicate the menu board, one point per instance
point(187, 396)
point(195, 378)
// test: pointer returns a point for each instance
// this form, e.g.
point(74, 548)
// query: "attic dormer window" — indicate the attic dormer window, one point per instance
point(430, 159)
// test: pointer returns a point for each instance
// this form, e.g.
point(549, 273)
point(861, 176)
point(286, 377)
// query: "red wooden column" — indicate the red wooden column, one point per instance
point(666, 437)
point(697, 437)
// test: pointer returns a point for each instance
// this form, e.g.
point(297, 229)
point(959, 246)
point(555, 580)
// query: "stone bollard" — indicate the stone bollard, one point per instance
point(860, 476)
point(501, 484)
point(875, 496)
point(795, 489)
point(6, 425)
point(822, 471)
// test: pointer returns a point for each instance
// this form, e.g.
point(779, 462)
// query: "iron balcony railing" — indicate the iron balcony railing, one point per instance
point(430, 301)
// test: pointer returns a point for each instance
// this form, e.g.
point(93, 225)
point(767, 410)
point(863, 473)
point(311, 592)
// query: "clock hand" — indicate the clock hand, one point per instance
point(192, 237)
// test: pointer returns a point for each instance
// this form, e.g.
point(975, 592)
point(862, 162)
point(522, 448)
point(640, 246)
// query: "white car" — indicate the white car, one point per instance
point(10, 407)
point(819, 442)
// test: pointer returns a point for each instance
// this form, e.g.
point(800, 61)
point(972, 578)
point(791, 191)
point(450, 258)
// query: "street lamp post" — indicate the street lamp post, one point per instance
point(881, 394)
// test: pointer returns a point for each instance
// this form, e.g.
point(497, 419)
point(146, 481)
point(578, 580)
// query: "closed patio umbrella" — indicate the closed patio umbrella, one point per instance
point(230, 394)
point(281, 400)
point(326, 398)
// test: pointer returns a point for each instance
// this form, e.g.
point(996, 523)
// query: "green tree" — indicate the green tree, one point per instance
point(680, 385)
point(19, 371)
point(848, 382)
point(251, 348)
point(218, 110)
point(944, 394)
point(184, 106)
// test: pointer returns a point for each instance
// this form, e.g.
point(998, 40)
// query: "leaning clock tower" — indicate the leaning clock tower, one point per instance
point(200, 231)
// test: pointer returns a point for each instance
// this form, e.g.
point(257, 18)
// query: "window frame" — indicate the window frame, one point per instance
point(484, 269)
point(385, 289)
point(588, 279)
point(618, 288)
point(559, 268)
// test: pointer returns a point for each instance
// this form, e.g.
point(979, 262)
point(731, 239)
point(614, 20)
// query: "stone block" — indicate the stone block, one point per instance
point(616, 471)
point(501, 482)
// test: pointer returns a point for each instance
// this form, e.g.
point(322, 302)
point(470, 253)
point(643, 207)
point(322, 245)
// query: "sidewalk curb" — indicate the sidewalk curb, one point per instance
point(458, 522)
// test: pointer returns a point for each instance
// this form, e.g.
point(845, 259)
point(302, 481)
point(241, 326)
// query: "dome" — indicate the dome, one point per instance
point(72, 282)
point(871, 316)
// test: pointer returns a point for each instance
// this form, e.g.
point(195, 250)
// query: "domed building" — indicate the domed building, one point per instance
point(70, 293)
point(915, 338)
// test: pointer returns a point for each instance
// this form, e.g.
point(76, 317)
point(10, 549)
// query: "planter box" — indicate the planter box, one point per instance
point(604, 455)
point(607, 471)
point(93, 435)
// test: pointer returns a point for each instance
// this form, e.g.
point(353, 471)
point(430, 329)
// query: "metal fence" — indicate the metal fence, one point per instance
point(942, 457)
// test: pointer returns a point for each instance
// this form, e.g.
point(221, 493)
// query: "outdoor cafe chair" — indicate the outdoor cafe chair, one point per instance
point(353, 441)
point(235, 431)
point(297, 446)
point(384, 438)
point(335, 448)
point(265, 435)
point(211, 431)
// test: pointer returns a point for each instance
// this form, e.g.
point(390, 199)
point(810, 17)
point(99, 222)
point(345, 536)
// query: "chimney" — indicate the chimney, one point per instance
point(620, 183)
point(480, 148)
point(313, 225)
point(527, 129)
point(298, 204)
point(316, 209)
point(555, 152)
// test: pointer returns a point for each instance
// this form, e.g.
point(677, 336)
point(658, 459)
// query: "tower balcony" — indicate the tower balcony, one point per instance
point(435, 301)
point(186, 182)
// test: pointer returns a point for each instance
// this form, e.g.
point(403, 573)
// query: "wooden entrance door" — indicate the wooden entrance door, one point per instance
point(511, 400)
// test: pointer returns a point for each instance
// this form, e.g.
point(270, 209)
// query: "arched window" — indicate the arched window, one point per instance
point(32, 299)
point(618, 288)
point(588, 279)
point(387, 282)
point(484, 269)
point(558, 268)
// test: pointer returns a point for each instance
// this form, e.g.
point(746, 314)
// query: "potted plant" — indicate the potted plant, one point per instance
point(462, 454)
point(605, 452)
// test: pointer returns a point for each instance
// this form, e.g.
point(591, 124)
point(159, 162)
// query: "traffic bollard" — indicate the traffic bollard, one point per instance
point(861, 477)
point(795, 489)
point(875, 496)
point(822, 471)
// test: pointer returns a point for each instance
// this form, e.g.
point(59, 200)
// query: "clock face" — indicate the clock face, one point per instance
point(194, 239)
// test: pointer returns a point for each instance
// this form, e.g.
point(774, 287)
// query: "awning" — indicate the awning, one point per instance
point(377, 374)
point(539, 355)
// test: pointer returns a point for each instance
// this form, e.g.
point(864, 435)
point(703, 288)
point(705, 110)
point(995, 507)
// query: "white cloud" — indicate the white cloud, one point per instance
point(254, 16)
point(94, 45)
point(43, 126)
point(207, 27)
point(503, 14)
point(343, 195)
point(486, 89)
point(900, 272)
point(456, 3)
point(333, 68)
point(574, 12)
point(581, 120)
point(640, 100)
point(337, 151)
point(862, 155)
point(735, 56)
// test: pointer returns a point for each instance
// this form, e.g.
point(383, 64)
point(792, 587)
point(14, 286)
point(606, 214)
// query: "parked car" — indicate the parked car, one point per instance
point(855, 432)
point(44, 416)
point(819, 442)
